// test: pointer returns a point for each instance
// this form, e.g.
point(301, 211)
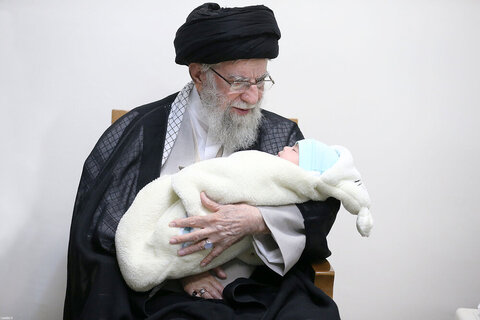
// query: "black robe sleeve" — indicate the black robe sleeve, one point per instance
point(95, 288)
point(126, 157)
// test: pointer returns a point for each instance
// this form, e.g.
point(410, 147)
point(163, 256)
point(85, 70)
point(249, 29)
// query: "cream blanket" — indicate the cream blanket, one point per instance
point(144, 254)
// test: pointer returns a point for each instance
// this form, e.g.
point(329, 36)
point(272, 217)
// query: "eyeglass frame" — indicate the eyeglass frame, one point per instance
point(243, 83)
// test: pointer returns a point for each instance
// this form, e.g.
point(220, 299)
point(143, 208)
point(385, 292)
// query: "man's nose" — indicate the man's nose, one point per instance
point(252, 95)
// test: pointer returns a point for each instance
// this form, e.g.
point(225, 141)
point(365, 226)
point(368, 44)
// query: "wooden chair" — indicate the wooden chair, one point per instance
point(324, 273)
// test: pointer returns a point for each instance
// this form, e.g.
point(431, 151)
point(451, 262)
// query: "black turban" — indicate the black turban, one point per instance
point(212, 34)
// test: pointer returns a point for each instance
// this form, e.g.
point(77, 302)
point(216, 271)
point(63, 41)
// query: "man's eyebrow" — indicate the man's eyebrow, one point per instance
point(244, 79)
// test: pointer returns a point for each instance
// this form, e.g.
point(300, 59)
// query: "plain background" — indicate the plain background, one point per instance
point(397, 82)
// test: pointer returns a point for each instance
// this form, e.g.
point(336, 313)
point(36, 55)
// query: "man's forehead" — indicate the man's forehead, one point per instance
point(246, 67)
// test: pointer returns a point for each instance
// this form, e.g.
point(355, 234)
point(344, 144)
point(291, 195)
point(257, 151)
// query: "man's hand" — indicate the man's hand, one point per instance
point(204, 285)
point(225, 226)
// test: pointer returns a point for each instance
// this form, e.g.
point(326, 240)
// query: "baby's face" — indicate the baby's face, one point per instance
point(290, 154)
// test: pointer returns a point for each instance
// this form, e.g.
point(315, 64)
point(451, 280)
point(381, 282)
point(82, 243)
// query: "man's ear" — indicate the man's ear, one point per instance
point(198, 77)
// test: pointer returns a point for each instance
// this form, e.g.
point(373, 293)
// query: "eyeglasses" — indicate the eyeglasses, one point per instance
point(265, 82)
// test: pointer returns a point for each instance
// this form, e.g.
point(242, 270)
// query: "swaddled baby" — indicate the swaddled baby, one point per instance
point(313, 171)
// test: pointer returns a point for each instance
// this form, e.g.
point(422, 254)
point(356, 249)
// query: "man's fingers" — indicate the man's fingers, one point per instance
point(209, 203)
point(212, 255)
point(218, 287)
point(214, 288)
point(192, 222)
point(216, 294)
point(190, 237)
point(207, 295)
point(211, 290)
point(219, 273)
point(192, 248)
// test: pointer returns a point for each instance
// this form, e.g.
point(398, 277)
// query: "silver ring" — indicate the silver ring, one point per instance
point(194, 293)
point(202, 292)
point(208, 244)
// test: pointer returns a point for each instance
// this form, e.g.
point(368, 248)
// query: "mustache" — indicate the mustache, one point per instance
point(243, 105)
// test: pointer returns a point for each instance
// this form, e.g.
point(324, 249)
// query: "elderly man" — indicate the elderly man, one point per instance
point(218, 113)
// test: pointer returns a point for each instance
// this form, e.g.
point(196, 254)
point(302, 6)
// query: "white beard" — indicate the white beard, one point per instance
point(232, 130)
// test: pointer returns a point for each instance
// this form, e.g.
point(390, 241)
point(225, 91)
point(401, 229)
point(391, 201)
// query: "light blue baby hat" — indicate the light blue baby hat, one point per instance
point(315, 155)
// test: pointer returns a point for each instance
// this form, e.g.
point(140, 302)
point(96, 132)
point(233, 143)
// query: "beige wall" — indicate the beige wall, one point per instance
point(395, 81)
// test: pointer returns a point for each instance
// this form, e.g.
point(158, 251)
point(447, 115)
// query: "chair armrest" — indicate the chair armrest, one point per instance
point(324, 276)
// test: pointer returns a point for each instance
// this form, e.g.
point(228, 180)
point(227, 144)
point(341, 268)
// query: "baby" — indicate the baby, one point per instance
point(313, 171)
point(311, 155)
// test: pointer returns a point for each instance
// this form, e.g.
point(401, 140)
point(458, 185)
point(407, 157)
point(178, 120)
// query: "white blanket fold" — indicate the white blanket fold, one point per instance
point(144, 254)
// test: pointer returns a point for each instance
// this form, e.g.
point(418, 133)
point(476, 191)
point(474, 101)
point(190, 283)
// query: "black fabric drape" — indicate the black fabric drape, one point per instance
point(126, 157)
point(263, 296)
